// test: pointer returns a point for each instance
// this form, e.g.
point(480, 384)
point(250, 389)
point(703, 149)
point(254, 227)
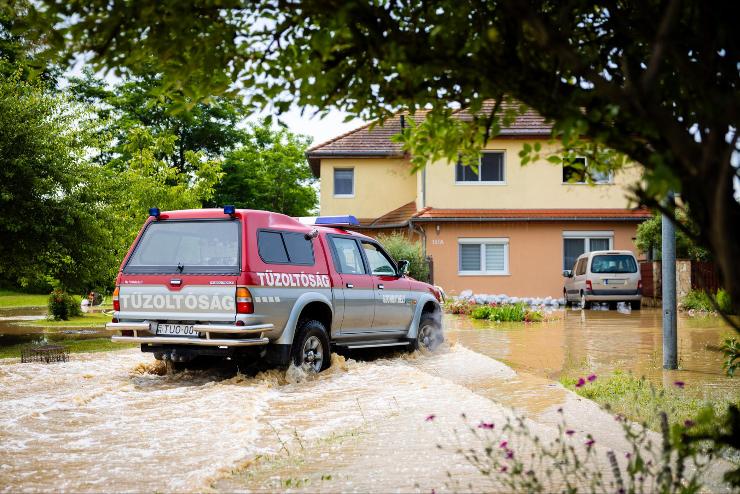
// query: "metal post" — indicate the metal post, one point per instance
point(670, 337)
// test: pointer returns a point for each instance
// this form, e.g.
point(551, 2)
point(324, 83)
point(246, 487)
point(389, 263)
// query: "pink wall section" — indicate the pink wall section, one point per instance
point(535, 254)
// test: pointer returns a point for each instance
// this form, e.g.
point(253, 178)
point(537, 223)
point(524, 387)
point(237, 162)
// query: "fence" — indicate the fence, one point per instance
point(690, 275)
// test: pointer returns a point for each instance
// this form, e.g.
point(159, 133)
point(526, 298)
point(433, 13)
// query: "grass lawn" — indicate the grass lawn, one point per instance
point(73, 346)
point(641, 401)
point(10, 299)
point(90, 320)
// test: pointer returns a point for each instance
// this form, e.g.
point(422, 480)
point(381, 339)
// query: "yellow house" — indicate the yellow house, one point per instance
point(508, 229)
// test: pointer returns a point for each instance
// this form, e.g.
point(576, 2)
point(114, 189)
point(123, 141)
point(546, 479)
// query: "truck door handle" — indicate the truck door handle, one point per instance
point(380, 287)
point(350, 285)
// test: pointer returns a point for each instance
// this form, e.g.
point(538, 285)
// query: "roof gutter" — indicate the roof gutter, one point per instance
point(528, 218)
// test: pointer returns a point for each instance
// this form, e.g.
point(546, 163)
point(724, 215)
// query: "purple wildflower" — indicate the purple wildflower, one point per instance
point(591, 378)
point(503, 444)
point(581, 382)
point(628, 455)
point(679, 384)
point(509, 454)
point(570, 432)
point(560, 410)
point(504, 469)
point(689, 423)
point(486, 425)
point(590, 442)
point(431, 417)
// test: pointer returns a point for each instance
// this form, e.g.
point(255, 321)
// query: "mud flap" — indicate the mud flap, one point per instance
point(278, 354)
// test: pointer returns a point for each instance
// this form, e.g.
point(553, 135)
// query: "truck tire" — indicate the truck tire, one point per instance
point(429, 335)
point(311, 349)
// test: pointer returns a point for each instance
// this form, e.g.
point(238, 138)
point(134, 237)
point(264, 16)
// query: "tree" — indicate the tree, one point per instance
point(656, 81)
point(268, 171)
point(208, 127)
point(649, 239)
point(52, 224)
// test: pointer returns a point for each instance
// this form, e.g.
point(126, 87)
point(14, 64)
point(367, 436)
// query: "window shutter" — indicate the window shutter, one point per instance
point(470, 257)
point(495, 257)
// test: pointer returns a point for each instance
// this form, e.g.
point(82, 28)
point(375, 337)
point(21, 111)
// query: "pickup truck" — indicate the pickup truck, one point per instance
point(246, 284)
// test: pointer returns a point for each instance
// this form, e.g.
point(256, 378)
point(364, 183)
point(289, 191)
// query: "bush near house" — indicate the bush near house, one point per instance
point(699, 300)
point(507, 313)
point(401, 248)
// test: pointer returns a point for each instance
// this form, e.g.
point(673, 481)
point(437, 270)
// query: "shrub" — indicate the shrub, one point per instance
point(62, 305)
point(458, 306)
point(507, 313)
point(723, 301)
point(697, 300)
point(401, 248)
point(481, 312)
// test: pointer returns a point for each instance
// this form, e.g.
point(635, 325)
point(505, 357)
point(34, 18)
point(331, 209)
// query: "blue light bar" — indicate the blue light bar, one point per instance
point(154, 212)
point(337, 220)
point(230, 210)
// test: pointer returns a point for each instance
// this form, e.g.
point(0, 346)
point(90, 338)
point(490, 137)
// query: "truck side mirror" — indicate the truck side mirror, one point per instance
point(403, 268)
point(567, 273)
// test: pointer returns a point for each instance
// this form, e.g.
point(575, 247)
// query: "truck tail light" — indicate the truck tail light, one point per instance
point(589, 286)
point(116, 302)
point(244, 304)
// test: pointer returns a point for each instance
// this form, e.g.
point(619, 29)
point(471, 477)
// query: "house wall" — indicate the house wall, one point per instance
point(533, 186)
point(381, 185)
point(535, 254)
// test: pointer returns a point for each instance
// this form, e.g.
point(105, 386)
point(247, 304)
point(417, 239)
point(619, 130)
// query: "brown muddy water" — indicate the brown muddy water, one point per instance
point(111, 422)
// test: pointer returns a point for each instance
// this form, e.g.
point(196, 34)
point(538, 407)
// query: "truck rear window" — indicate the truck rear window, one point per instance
point(187, 247)
point(613, 264)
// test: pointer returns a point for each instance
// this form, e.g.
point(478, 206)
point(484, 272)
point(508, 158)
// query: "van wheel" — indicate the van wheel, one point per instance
point(636, 305)
point(311, 347)
point(565, 297)
point(429, 334)
point(584, 303)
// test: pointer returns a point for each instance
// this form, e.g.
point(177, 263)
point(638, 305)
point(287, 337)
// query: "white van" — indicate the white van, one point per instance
point(604, 276)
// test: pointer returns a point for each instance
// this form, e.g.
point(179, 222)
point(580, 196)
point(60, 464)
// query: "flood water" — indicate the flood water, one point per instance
point(110, 421)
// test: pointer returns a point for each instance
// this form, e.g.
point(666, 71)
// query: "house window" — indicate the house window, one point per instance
point(483, 256)
point(577, 243)
point(344, 182)
point(577, 173)
point(490, 170)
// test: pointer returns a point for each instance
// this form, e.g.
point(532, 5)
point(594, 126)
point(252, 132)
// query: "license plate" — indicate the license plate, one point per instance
point(614, 282)
point(176, 329)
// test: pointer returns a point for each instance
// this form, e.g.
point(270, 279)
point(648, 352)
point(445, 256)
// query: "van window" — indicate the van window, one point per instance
point(285, 248)
point(197, 246)
point(581, 266)
point(614, 264)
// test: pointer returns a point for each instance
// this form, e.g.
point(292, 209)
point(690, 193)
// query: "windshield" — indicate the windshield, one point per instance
point(187, 247)
point(623, 263)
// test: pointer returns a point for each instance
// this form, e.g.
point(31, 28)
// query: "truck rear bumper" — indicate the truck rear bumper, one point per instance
point(206, 329)
point(181, 340)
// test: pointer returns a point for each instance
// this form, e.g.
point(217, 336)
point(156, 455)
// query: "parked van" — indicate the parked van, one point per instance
point(245, 284)
point(604, 276)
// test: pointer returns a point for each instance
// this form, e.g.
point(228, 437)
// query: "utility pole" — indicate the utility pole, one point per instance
point(668, 264)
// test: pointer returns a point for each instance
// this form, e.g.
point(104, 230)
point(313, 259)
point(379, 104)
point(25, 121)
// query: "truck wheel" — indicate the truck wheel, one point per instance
point(311, 347)
point(429, 334)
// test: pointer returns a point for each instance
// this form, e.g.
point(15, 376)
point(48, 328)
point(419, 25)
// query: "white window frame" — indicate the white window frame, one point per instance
point(586, 236)
point(334, 182)
point(484, 241)
point(485, 182)
point(608, 181)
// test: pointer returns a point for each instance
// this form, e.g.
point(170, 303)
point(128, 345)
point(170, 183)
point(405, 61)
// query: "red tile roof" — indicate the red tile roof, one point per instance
point(397, 218)
point(374, 140)
point(433, 214)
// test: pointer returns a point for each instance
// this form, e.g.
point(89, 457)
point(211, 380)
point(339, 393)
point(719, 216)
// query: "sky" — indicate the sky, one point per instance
point(319, 129)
